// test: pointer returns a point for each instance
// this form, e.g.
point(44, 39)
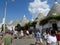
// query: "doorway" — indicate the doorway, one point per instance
point(54, 26)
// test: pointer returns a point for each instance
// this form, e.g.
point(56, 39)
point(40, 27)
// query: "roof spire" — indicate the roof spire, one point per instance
point(24, 16)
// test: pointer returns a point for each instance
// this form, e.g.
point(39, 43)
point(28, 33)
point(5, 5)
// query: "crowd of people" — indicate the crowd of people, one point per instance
point(51, 37)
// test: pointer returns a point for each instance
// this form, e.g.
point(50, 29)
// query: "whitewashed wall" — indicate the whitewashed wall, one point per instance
point(50, 25)
point(58, 23)
point(10, 27)
point(47, 25)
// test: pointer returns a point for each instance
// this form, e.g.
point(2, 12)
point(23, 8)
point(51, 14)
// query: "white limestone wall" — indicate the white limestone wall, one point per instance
point(10, 27)
point(47, 25)
point(50, 25)
point(58, 24)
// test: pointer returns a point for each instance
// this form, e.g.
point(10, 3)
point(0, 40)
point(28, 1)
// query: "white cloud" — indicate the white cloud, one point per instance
point(37, 6)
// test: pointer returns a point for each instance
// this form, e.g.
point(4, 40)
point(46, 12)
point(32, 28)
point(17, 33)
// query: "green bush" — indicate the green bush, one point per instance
point(47, 18)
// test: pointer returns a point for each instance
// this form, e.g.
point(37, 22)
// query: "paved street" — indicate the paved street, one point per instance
point(23, 42)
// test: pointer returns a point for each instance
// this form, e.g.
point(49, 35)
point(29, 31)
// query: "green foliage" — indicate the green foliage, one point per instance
point(27, 26)
point(34, 23)
point(45, 20)
point(18, 27)
point(22, 27)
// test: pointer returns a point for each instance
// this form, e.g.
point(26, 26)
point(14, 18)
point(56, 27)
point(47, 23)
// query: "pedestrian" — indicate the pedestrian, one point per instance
point(52, 40)
point(38, 38)
point(27, 32)
point(15, 34)
point(33, 34)
point(7, 39)
point(24, 31)
point(47, 34)
point(22, 34)
point(58, 37)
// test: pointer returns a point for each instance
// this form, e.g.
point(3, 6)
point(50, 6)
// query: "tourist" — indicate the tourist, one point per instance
point(27, 32)
point(24, 31)
point(33, 34)
point(47, 34)
point(12, 31)
point(38, 38)
point(52, 40)
point(15, 34)
point(7, 39)
point(58, 37)
point(22, 34)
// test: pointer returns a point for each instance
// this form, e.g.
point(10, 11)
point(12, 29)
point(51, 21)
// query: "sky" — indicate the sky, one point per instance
point(16, 9)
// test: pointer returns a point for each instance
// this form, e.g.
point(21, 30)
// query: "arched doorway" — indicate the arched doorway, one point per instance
point(54, 26)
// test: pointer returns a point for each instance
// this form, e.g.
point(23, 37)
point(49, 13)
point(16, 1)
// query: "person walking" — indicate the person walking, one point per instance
point(22, 34)
point(52, 40)
point(7, 39)
point(27, 32)
point(58, 37)
point(33, 34)
point(38, 38)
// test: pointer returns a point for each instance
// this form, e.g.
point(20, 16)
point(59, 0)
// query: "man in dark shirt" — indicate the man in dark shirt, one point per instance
point(58, 37)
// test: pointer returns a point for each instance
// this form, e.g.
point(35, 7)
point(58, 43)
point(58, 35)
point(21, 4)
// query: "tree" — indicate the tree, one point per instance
point(28, 25)
point(47, 18)
point(18, 27)
point(34, 24)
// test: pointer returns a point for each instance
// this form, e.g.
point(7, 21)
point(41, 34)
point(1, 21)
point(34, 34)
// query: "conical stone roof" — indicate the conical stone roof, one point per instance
point(55, 9)
point(24, 21)
point(40, 17)
point(14, 23)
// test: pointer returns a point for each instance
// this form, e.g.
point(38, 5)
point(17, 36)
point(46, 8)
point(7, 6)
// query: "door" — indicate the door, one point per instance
point(54, 26)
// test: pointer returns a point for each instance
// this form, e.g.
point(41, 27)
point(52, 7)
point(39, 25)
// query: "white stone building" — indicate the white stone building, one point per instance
point(38, 19)
point(11, 25)
point(53, 23)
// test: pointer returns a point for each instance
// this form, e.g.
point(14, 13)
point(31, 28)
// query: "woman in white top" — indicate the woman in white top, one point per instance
point(22, 34)
point(27, 32)
point(52, 40)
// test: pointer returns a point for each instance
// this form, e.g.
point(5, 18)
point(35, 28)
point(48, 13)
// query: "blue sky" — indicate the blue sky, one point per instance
point(17, 9)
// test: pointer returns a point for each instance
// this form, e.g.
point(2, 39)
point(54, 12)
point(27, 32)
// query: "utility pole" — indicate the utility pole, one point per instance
point(4, 19)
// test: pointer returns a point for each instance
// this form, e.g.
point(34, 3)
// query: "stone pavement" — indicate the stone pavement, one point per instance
point(23, 42)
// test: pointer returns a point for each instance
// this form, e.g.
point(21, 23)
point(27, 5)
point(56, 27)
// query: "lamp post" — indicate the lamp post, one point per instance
point(4, 19)
point(5, 13)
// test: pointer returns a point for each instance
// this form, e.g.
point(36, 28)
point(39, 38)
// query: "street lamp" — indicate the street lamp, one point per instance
point(4, 19)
